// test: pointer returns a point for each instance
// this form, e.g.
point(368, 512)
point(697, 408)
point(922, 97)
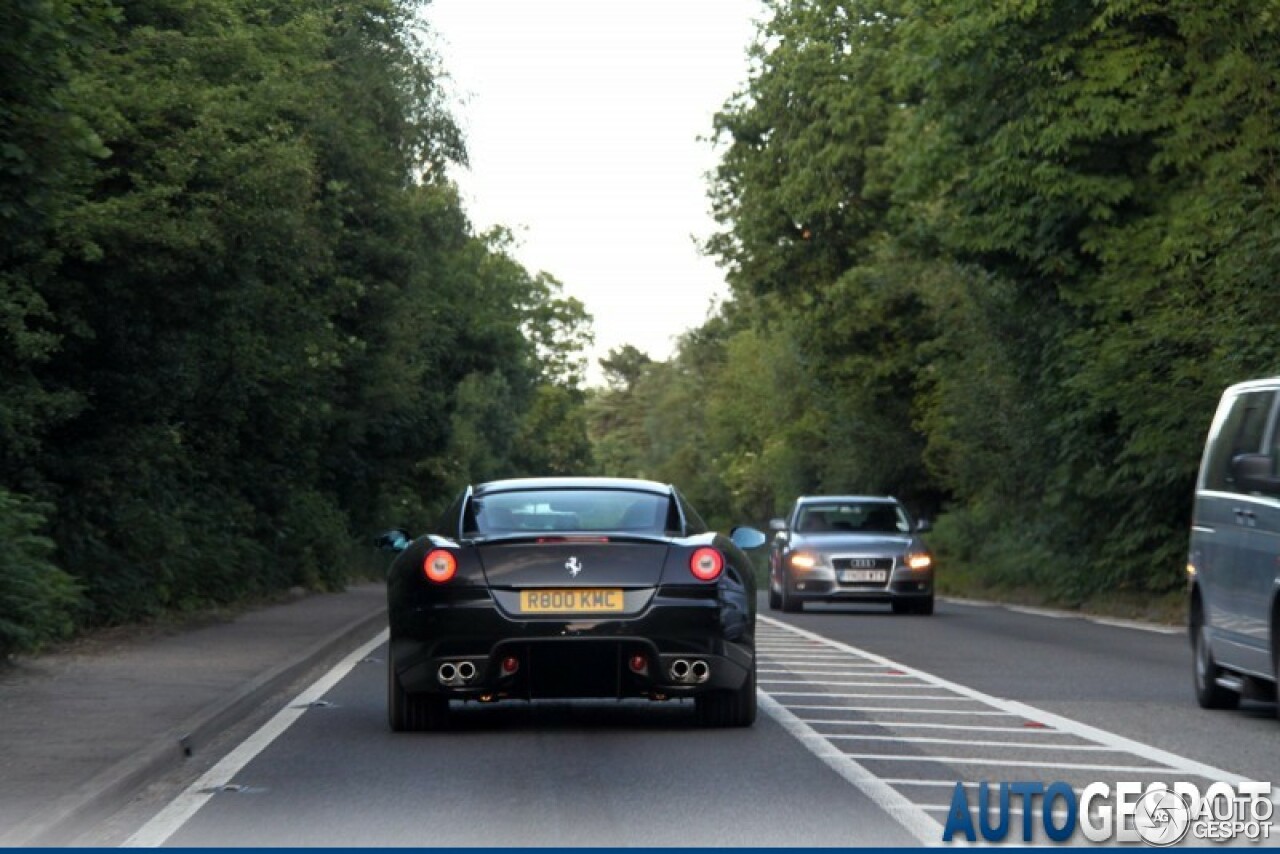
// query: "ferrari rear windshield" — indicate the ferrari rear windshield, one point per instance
point(580, 510)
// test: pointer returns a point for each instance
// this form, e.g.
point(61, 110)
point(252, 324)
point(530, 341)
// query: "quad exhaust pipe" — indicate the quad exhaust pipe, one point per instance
point(687, 672)
point(454, 675)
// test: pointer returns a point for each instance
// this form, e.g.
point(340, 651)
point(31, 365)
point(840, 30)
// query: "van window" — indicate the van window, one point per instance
point(1241, 433)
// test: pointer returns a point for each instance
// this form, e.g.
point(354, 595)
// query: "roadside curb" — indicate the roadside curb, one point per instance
point(110, 789)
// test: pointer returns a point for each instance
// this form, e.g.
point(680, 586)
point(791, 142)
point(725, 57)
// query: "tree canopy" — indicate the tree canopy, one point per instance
point(244, 320)
point(996, 259)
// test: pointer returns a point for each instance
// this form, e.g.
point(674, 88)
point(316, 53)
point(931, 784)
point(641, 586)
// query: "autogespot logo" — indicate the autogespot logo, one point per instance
point(1162, 817)
point(1157, 814)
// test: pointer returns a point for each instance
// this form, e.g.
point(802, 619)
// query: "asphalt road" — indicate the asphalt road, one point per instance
point(868, 721)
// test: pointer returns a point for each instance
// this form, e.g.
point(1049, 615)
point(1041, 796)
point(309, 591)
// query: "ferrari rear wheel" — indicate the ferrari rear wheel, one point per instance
point(413, 712)
point(736, 708)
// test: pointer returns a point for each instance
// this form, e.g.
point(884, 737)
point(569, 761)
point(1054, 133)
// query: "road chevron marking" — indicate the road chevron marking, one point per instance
point(913, 819)
point(1155, 755)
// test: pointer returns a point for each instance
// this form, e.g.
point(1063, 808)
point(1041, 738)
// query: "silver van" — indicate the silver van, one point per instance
point(1234, 561)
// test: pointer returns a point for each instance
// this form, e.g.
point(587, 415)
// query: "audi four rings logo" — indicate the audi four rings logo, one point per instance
point(862, 562)
point(574, 566)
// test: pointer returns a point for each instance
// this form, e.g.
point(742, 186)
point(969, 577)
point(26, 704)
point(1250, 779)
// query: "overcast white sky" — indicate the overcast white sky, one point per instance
point(582, 120)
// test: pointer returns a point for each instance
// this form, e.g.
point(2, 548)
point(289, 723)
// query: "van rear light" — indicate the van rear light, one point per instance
point(439, 566)
point(706, 564)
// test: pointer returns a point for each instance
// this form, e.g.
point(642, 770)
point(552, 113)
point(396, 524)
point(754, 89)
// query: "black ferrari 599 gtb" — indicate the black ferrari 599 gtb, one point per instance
point(571, 588)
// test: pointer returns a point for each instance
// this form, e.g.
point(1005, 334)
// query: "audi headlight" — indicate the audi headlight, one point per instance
point(803, 560)
point(919, 560)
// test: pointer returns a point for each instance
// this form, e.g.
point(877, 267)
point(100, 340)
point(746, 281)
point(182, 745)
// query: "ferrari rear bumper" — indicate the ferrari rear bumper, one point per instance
point(676, 647)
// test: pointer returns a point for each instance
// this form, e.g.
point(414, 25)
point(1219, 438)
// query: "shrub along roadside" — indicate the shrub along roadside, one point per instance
point(38, 601)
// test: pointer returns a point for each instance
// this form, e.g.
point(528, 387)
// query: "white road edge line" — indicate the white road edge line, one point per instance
point(860, 673)
point(833, 696)
point(946, 784)
point(180, 810)
point(1012, 763)
point(905, 725)
point(1156, 755)
point(967, 742)
point(913, 819)
point(1134, 624)
point(900, 710)
point(1137, 625)
point(896, 687)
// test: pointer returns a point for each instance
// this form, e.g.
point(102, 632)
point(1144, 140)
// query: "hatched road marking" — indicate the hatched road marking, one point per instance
point(808, 666)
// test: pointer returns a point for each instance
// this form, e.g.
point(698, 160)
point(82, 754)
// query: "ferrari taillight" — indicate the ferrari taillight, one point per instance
point(439, 566)
point(706, 564)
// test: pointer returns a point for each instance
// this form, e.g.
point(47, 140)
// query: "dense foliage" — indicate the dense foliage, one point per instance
point(244, 321)
point(996, 258)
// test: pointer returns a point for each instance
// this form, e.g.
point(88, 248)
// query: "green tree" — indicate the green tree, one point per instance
point(38, 601)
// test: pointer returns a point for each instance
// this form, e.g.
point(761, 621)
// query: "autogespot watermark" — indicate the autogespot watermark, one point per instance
point(1158, 814)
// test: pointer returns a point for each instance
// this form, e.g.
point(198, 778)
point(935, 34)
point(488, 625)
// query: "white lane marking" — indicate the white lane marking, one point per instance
point(1137, 625)
point(833, 696)
point(921, 739)
point(1041, 612)
point(915, 820)
point(1015, 763)
point(1057, 814)
point(833, 661)
point(831, 667)
point(897, 687)
point(844, 671)
point(947, 784)
point(917, 725)
point(180, 810)
point(903, 711)
point(1133, 624)
point(1164, 758)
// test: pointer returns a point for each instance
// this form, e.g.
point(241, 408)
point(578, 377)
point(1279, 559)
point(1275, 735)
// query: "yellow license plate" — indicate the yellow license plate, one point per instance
point(584, 601)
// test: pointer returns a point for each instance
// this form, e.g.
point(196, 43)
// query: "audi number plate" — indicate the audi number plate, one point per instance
point(848, 575)
point(582, 601)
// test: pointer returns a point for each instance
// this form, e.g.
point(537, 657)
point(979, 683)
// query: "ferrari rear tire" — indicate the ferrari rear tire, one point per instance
point(413, 712)
point(734, 708)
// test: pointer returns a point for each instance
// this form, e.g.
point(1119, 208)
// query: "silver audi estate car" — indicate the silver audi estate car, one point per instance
point(1234, 562)
point(850, 548)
